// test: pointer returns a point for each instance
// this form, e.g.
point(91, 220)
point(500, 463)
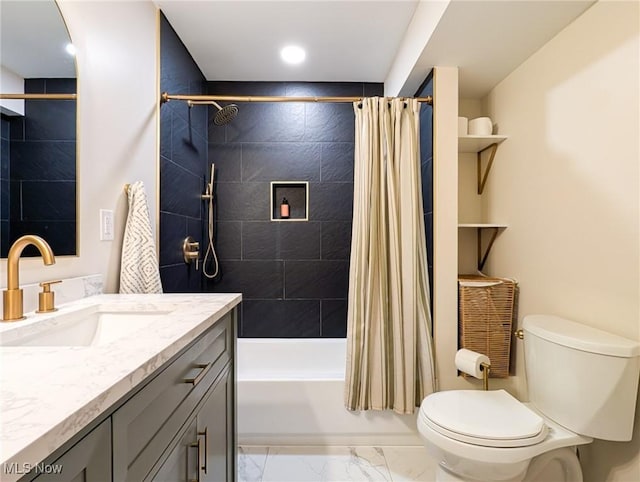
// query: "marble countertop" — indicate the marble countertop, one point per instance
point(49, 393)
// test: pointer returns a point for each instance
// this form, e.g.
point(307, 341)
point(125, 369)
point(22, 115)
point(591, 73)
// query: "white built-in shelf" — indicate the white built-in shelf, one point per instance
point(483, 254)
point(478, 143)
point(482, 225)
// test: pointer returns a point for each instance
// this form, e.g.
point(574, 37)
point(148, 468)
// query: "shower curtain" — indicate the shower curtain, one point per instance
point(389, 348)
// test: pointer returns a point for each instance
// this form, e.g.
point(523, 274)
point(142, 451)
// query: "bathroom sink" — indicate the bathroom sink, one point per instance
point(92, 326)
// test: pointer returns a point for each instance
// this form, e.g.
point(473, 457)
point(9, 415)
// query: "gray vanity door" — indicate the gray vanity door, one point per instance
point(144, 427)
point(180, 464)
point(87, 461)
point(215, 429)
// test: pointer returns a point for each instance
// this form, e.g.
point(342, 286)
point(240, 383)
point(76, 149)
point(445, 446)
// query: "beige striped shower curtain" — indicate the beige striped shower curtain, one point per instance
point(389, 348)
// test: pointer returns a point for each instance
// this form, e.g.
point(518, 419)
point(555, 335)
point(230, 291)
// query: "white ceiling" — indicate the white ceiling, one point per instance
point(241, 40)
point(487, 40)
point(358, 40)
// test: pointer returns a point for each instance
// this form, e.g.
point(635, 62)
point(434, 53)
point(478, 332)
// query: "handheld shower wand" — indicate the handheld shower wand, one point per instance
point(211, 250)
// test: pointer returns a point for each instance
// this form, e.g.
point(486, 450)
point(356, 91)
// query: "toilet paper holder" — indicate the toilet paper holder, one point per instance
point(486, 370)
point(473, 363)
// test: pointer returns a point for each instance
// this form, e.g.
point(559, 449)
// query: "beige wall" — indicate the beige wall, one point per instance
point(567, 183)
point(469, 201)
point(445, 225)
point(117, 119)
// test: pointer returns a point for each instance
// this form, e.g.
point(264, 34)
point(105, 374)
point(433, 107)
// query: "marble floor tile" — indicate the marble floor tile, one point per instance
point(251, 462)
point(326, 464)
point(410, 464)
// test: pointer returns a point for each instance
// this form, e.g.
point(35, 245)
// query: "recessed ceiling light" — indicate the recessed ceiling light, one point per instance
point(293, 54)
point(71, 50)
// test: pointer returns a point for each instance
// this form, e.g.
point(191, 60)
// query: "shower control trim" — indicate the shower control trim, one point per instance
point(191, 250)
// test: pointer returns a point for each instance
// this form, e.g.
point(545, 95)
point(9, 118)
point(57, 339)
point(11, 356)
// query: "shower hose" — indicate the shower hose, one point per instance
point(211, 250)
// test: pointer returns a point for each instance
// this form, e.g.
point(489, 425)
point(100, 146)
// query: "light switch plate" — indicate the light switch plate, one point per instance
point(106, 225)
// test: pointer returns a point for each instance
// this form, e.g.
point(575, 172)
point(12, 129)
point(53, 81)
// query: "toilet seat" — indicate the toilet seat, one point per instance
point(485, 418)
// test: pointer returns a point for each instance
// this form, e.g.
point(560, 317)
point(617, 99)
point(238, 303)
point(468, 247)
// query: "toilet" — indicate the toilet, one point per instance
point(583, 384)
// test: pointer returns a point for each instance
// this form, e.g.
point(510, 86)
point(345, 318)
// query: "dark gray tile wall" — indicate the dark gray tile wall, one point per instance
point(4, 184)
point(183, 163)
point(293, 275)
point(39, 153)
point(426, 162)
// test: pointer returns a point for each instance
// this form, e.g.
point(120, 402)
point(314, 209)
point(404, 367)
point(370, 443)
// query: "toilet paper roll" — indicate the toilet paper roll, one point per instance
point(469, 362)
point(480, 126)
point(463, 126)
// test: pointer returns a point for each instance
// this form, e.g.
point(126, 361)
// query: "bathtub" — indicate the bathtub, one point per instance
point(290, 392)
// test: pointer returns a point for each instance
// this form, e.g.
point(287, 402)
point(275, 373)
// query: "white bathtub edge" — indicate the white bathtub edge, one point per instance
point(291, 392)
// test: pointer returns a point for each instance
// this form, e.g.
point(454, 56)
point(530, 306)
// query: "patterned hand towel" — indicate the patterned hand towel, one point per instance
point(139, 272)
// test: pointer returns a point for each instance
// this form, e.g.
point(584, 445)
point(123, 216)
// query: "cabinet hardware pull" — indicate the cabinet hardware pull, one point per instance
point(205, 367)
point(194, 445)
point(206, 452)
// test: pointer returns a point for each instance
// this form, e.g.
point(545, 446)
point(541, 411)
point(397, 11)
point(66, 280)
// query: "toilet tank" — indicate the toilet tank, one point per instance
point(580, 377)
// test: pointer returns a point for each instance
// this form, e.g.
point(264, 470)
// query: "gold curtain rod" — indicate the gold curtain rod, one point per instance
point(39, 96)
point(166, 97)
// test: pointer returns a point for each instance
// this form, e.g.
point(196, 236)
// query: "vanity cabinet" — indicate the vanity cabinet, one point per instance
point(202, 451)
point(215, 438)
point(177, 466)
point(145, 426)
point(177, 426)
point(87, 460)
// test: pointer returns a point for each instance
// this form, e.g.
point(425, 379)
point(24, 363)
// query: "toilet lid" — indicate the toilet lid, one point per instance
point(489, 418)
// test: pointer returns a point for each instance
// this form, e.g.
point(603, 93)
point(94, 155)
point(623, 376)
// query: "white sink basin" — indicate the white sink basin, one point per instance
point(93, 326)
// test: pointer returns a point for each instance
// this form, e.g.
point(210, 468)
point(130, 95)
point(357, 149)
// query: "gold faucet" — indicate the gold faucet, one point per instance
point(12, 297)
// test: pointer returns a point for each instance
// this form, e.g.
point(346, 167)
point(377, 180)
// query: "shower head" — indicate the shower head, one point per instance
point(224, 115)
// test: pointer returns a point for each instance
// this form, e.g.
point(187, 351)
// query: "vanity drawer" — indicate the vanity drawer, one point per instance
point(144, 426)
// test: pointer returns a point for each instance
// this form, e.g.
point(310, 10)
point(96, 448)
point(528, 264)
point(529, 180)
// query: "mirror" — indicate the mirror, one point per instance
point(38, 161)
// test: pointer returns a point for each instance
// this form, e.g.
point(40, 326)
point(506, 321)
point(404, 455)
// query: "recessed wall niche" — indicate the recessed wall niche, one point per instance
point(296, 193)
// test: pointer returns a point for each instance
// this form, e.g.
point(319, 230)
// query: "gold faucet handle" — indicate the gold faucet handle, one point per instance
point(46, 285)
point(46, 300)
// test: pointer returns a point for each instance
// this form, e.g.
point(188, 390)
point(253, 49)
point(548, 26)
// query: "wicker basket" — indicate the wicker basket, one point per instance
point(486, 311)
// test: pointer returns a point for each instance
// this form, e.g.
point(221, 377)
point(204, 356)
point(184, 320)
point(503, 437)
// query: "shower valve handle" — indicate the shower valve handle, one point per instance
point(191, 250)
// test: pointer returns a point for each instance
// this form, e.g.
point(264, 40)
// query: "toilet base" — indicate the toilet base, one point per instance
point(445, 475)
point(559, 465)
